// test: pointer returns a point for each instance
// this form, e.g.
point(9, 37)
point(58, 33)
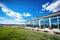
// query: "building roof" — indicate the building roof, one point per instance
point(47, 16)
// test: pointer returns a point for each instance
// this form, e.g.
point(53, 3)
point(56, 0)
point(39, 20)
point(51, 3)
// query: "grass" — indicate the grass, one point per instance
point(23, 34)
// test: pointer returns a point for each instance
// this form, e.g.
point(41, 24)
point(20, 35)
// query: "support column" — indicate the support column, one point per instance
point(39, 23)
point(33, 23)
point(30, 23)
point(36, 23)
point(58, 21)
point(50, 23)
point(25, 24)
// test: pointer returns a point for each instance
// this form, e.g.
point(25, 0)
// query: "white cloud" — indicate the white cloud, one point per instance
point(4, 21)
point(17, 17)
point(45, 5)
point(54, 7)
point(19, 21)
point(26, 14)
point(2, 18)
point(10, 12)
point(5, 10)
point(7, 21)
point(1, 5)
point(43, 9)
point(14, 14)
point(41, 12)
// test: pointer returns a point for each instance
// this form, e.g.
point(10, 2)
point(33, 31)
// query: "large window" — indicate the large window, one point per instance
point(45, 23)
point(59, 22)
point(54, 23)
point(36, 23)
point(28, 24)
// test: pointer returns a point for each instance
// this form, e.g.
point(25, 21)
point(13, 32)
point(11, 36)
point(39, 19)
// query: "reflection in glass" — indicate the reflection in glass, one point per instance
point(45, 23)
point(54, 23)
point(28, 24)
point(36, 23)
point(59, 22)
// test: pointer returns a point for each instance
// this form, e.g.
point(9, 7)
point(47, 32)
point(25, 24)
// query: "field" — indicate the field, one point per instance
point(24, 34)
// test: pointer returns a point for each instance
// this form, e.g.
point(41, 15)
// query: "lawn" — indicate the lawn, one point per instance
point(24, 34)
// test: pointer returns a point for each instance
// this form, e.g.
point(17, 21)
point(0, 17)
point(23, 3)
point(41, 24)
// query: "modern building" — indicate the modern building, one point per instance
point(49, 21)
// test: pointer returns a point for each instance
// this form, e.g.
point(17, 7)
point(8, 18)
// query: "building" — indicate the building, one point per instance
point(49, 21)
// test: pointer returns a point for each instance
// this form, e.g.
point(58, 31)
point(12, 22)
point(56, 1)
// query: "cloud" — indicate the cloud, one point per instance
point(26, 14)
point(10, 12)
point(41, 12)
point(7, 21)
point(19, 22)
point(45, 5)
point(2, 18)
point(54, 7)
point(4, 21)
point(4, 9)
point(11, 22)
point(14, 14)
point(17, 17)
point(1, 5)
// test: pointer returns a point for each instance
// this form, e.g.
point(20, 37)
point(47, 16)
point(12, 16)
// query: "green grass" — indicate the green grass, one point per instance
point(23, 34)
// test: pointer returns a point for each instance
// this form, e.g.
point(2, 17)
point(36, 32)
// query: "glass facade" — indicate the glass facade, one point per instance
point(28, 24)
point(54, 23)
point(59, 22)
point(35, 23)
point(44, 23)
point(49, 22)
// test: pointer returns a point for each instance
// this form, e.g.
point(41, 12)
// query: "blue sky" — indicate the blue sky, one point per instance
point(18, 11)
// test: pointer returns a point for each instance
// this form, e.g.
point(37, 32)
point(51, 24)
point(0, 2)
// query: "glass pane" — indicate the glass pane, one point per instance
point(59, 22)
point(54, 23)
point(45, 23)
point(28, 24)
point(36, 23)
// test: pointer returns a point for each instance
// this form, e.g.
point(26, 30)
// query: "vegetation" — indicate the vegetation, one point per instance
point(24, 34)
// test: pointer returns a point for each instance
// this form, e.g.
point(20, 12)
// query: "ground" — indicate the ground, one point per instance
point(24, 34)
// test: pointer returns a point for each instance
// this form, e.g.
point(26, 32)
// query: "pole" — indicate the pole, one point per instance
point(50, 23)
point(58, 21)
point(39, 23)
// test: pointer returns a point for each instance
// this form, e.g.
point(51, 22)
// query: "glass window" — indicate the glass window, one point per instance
point(54, 23)
point(36, 23)
point(59, 22)
point(45, 23)
point(28, 24)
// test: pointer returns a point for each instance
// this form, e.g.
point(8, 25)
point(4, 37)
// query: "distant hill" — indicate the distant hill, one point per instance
point(11, 25)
